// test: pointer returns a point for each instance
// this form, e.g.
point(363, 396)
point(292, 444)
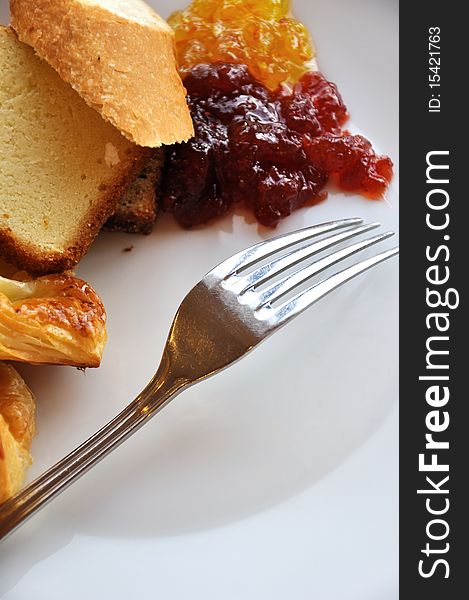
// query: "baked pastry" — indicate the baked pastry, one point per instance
point(62, 168)
point(56, 319)
point(138, 207)
point(119, 55)
point(17, 427)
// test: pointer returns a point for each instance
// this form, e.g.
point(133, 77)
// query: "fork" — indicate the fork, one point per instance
point(227, 314)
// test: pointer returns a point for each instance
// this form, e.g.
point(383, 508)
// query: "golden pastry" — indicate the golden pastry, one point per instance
point(16, 430)
point(56, 319)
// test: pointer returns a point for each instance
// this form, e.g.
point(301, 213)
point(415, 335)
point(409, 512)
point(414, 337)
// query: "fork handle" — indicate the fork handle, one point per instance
point(162, 388)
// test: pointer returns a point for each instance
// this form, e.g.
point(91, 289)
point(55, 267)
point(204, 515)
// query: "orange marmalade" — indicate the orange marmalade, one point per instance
point(258, 33)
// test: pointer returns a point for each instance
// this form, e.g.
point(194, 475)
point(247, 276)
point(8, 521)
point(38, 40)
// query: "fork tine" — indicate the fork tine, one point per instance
point(249, 257)
point(304, 300)
point(277, 266)
point(290, 282)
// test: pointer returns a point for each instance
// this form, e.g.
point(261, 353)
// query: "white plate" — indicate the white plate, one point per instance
point(277, 478)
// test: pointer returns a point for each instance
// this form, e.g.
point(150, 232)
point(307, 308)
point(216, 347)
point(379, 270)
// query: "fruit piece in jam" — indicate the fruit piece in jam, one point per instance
point(258, 33)
point(273, 151)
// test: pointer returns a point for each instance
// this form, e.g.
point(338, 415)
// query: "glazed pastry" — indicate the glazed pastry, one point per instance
point(56, 319)
point(16, 430)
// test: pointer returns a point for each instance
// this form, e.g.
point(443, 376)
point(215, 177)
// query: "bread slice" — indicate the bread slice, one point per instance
point(119, 55)
point(17, 425)
point(62, 167)
point(137, 209)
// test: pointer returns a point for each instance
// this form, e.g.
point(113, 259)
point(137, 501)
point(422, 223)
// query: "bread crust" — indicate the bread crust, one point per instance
point(138, 208)
point(124, 69)
point(36, 262)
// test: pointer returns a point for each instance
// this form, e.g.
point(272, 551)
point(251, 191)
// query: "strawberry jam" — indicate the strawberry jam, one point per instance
point(272, 151)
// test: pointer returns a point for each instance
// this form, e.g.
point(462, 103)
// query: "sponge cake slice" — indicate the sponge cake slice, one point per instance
point(63, 168)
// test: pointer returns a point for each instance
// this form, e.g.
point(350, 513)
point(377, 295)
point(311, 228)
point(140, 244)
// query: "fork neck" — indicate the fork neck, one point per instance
point(162, 387)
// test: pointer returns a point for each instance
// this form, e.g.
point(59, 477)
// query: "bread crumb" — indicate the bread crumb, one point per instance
point(111, 155)
point(128, 249)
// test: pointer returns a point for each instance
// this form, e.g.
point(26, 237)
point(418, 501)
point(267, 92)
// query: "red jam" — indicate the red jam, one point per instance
point(273, 151)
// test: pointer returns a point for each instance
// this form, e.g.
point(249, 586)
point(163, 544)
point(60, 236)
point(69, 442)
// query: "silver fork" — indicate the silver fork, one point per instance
point(226, 315)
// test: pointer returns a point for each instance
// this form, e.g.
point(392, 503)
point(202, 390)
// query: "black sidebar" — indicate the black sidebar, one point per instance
point(434, 202)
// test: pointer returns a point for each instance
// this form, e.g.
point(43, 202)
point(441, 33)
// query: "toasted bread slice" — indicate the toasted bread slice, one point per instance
point(138, 207)
point(119, 55)
point(17, 427)
point(63, 169)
